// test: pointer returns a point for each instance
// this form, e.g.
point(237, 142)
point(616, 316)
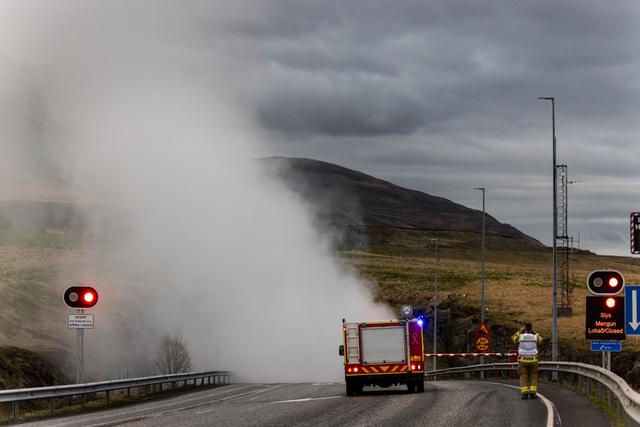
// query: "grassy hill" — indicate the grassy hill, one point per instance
point(367, 211)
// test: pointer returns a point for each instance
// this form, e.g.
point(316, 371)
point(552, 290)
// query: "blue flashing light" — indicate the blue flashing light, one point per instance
point(420, 322)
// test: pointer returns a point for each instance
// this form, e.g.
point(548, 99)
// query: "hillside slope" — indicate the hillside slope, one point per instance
point(351, 201)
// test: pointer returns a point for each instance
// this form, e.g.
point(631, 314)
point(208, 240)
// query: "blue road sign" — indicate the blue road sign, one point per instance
point(606, 346)
point(632, 310)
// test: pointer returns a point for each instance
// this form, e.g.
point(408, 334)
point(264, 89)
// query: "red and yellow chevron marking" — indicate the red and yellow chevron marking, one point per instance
point(383, 369)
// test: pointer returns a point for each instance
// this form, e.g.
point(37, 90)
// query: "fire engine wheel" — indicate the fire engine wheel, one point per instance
point(350, 391)
point(411, 387)
point(353, 388)
point(420, 386)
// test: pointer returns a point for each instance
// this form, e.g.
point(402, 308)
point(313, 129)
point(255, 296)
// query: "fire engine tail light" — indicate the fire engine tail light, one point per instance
point(355, 369)
point(348, 369)
point(413, 367)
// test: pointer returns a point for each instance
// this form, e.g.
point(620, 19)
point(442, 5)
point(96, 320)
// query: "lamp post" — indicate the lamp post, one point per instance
point(554, 302)
point(482, 257)
point(435, 307)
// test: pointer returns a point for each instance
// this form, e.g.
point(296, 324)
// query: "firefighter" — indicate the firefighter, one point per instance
point(527, 341)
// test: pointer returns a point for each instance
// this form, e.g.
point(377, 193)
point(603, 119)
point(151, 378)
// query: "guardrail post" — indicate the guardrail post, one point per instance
point(82, 400)
point(579, 382)
point(129, 392)
point(53, 406)
point(609, 398)
point(15, 409)
point(589, 387)
point(107, 397)
point(600, 392)
point(620, 408)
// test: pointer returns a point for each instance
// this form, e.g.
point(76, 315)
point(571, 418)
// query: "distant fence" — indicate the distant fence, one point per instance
point(587, 378)
point(24, 394)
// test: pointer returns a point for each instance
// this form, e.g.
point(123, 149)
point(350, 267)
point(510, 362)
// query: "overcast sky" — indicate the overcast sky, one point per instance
point(440, 96)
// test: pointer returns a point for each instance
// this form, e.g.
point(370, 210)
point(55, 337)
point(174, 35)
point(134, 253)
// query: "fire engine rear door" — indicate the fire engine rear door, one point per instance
point(384, 344)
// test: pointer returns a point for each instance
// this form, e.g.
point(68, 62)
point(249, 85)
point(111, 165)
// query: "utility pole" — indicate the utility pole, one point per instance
point(482, 257)
point(435, 308)
point(554, 302)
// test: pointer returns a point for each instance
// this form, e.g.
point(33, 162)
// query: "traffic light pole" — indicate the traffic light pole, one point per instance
point(79, 352)
point(606, 360)
point(80, 297)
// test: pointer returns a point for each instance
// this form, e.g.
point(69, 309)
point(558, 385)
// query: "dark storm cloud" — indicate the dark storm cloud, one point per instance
point(343, 107)
point(441, 96)
point(414, 65)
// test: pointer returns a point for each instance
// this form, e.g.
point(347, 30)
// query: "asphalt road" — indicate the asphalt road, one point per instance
point(444, 403)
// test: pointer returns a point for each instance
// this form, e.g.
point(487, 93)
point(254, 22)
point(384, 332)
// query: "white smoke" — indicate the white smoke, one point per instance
point(144, 111)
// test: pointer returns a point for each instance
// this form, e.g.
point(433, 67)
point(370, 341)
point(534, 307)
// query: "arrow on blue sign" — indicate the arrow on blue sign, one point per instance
point(606, 346)
point(631, 294)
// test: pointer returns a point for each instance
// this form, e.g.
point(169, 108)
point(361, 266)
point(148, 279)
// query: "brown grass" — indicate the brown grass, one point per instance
point(517, 284)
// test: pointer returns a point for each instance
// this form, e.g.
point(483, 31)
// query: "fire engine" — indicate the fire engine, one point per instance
point(383, 353)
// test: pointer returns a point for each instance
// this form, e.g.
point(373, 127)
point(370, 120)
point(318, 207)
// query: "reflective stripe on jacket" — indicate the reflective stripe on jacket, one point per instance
point(527, 346)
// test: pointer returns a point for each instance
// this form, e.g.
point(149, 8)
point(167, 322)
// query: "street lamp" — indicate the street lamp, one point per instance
point(482, 268)
point(554, 302)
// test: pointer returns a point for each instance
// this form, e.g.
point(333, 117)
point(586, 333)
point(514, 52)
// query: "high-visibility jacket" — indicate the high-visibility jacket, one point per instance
point(527, 346)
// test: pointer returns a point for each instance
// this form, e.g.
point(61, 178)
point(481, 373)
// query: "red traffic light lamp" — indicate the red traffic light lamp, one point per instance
point(605, 282)
point(80, 297)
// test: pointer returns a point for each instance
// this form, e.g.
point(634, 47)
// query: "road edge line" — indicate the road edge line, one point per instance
point(551, 408)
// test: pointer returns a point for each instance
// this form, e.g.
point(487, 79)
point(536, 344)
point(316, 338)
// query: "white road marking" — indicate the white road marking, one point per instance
point(308, 399)
point(147, 406)
point(323, 384)
point(551, 408)
point(259, 394)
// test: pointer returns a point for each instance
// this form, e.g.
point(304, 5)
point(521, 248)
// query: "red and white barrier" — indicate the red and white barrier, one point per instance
point(469, 354)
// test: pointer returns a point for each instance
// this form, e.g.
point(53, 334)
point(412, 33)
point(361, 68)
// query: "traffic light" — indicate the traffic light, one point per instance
point(605, 282)
point(635, 232)
point(80, 297)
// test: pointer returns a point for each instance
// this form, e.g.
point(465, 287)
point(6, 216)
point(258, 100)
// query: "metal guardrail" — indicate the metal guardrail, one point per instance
point(54, 392)
point(581, 375)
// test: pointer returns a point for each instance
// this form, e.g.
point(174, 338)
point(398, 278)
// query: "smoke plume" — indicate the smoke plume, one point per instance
point(144, 109)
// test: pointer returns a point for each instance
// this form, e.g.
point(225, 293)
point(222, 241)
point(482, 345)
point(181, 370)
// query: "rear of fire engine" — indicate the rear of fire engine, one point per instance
point(383, 353)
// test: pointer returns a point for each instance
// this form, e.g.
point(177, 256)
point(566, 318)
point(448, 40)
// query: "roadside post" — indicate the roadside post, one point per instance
point(80, 297)
point(606, 314)
point(483, 342)
point(634, 229)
